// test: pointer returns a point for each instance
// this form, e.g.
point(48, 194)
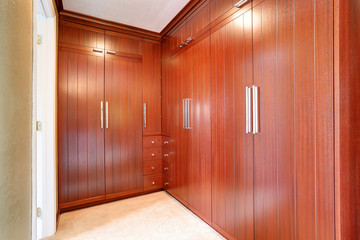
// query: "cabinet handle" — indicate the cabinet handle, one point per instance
point(99, 50)
point(153, 154)
point(102, 114)
point(182, 45)
point(166, 142)
point(152, 142)
point(186, 113)
point(240, 3)
point(153, 183)
point(166, 183)
point(190, 39)
point(107, 114)
point(152, 167)
point(248, 110)
point(165, 169)
point(144, 115)
point(111, 52)
point(166, 155)
point(255, 110)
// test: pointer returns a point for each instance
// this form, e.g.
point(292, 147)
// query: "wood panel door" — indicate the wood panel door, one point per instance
point(123, 118)
point(293, 151)
point(197, 139)
point(80, 135)
point(151, 87)
point(178, 72)
point(232, 147)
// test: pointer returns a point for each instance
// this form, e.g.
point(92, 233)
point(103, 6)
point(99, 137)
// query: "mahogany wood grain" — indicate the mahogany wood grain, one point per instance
point(152, 167)
point(152, 141)
point(152, 87)
point(123, 138)
point(152, 182)
point(152, 153)
point(347, 115)
point(80, 137)
point(165, 88)
point(87, 20)
point(232, 167)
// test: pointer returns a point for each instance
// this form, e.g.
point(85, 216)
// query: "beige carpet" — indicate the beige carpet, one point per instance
point(153, 216)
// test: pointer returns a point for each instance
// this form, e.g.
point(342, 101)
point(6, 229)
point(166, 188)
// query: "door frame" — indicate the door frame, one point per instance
point(44, 162)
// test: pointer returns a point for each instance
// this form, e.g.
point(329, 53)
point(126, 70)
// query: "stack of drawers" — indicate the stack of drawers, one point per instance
point(167, 166)
point(152, 157)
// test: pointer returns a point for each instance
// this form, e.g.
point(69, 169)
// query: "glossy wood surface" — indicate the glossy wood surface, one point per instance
point(232, 164)
point(123, 138)
point(152, 167)
point(347, 115)
point(152, 87)
point(80, 137)
point(152, 153)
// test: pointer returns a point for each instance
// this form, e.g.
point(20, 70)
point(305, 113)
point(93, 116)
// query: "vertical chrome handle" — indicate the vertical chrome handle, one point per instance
point(184, 117)
point(101, 114)
point(144, 115)
point(188, 113)
point(248, 110)
point(107, 114)
point(255, 110)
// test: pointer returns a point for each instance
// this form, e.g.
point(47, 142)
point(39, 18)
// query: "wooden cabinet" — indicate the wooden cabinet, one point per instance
point(101, 115)
point(151, 88)
point(232, 148)
point(80, 133)
point(123, 114)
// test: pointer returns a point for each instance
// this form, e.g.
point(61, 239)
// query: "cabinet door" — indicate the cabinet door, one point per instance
point(151, 88)
point(124, 118)
point(178, 65)
point(198, 22)
point(232, 147)
point(80, 133)
point(197, 139)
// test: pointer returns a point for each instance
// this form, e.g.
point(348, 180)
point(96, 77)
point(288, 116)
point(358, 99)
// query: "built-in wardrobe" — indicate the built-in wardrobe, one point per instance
point(109, 115)
point(248, 105)
point(236, 109)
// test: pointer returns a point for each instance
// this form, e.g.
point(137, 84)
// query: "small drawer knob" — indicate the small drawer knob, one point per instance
point(166, 142)
point(153, 183)
point(152, 142)
point(165, 169)
point(153, 154)
point(166, 155)
point(152, 167)
point(166, 183)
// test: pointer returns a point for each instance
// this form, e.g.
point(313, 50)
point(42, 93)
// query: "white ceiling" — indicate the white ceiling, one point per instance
point(152, 15)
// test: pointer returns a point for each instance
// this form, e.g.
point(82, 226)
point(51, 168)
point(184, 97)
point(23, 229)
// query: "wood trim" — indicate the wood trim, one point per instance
point(190, 7)
point(80, 202)
point(59, 6)
point(108, 25)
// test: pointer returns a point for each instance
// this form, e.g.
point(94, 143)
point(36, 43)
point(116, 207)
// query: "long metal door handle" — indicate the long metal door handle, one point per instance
point(101, 114)
point(144, 115)
point(255, 110)
point(248, 110)
point(111, 52)
point(188, 113)
point(184, 117)
point(107, 114)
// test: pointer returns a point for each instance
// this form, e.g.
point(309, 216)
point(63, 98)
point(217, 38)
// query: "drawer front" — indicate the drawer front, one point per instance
point(152, 154)
point(152, 141)
point(167, 182)
point(153, 181)
point(151, 167)
point(167, 168)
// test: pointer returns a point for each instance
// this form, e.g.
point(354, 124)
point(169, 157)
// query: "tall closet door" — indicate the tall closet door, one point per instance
point(80, 131)
point(123, 115)
point(198, 133)
point(232, 147)
point(294, 156)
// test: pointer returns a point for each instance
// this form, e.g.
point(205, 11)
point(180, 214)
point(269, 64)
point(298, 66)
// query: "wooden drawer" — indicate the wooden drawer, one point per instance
point(167, 168)
point(152, 154)
point(152, 141)
point(151, 167)
point(153, 181)
point(167, 182)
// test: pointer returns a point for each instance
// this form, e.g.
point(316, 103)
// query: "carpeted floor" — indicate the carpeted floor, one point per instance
point(153, 216)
